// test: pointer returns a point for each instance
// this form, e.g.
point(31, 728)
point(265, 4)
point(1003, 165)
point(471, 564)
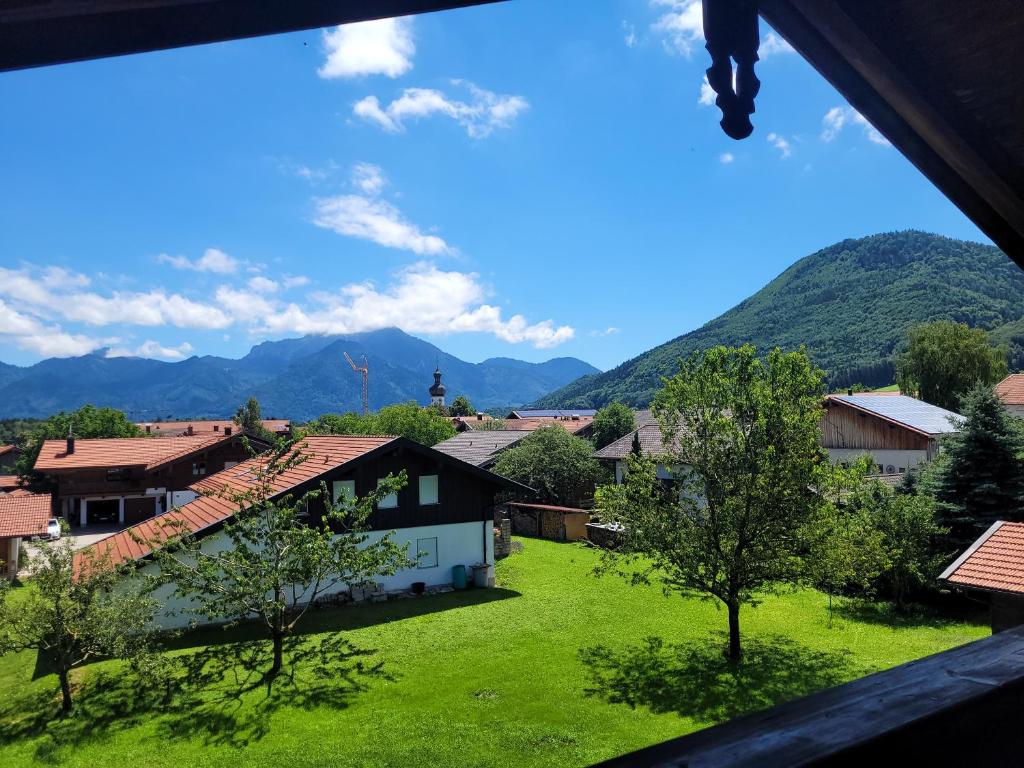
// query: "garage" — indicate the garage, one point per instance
point(137, 510)
point(100, 511)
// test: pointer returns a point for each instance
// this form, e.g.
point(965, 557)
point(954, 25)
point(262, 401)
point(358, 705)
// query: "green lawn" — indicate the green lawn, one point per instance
point(504, 677)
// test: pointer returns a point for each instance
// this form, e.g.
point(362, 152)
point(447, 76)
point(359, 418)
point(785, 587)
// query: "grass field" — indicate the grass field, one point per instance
point(555, 667)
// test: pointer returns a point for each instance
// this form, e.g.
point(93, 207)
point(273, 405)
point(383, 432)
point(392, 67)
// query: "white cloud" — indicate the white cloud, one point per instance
point(681, 26)
point(838, 117)
point(243, 306)
point(773, 45)
point(375, 220)
point(30, 334)
point(294, 281)
point(707, 94)
point(781, 144)
point(151, 308)
point(629, 34)
point(611, 330)
point(381, 47)
point(421, 299)
point(153, 350)
point(725, 158)
point(262, 284)
point(213, 260)
point(483, 113)
point(368, 178)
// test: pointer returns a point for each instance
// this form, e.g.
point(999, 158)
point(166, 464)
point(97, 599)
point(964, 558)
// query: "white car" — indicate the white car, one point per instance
point(53, 529)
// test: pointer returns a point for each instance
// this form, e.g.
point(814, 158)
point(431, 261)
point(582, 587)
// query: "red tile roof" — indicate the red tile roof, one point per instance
point(101, 453)
point(570, 425)
point(8, 482)
point(5, 449)
point(995, 562)
point(1011, 389)
point(322, 454)
point(24, 514)
point(205, 426)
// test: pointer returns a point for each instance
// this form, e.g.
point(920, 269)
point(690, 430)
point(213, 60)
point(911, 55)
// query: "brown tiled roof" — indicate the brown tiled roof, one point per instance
point(650, 443)
point(24, 514)
point(100, 453)
point(322, 453)
point(8, 482)
point(205, 427)
point(5, 449)
point(995, 562)
point(528, 425)
point(1011, 389)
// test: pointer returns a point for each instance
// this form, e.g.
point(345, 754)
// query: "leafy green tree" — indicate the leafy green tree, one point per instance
point(423, 425)
point(745, 440)
point(250, 420)
point(461, 407)
point(559, 466)
point(87, 422)
point(612, 422)
point(945, 359)
point(73, 612)
point(281, 554)
point(980, 476)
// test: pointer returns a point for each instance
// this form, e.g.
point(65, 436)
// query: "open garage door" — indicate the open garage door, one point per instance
point(101, 511)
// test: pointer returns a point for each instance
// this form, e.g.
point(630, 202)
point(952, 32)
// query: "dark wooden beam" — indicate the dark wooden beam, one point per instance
point(960, 707)
point(35, 33)
point(846, 55)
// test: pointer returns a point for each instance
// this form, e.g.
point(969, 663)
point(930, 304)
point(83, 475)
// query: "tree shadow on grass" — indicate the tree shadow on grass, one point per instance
point(696, 680)
point(219, 694)
point(916, 616)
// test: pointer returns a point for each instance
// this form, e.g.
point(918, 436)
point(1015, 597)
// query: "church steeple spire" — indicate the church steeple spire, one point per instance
point(437, 390)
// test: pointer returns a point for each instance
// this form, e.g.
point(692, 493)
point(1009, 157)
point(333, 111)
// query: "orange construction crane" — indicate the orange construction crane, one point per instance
point(365, 371)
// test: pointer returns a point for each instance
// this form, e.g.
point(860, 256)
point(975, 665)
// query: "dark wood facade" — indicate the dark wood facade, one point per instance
point(846, 427)
point(464, 494)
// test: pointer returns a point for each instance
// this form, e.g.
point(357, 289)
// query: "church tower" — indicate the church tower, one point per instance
point(437, 390)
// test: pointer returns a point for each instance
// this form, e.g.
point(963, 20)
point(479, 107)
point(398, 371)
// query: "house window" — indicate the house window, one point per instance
point(428, 490)
point(426, 553)
point(198, 467)
point(388, 502)
point(343, 489)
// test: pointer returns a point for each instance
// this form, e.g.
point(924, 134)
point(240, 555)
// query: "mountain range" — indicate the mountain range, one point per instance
point(297, 379)
point(851, 305)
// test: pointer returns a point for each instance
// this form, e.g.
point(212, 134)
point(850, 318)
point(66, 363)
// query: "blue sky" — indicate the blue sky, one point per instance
point(530, 179)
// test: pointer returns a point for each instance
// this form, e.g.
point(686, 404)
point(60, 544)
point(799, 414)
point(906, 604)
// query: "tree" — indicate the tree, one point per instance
point(423, 425)
point(945, 359)
point(461, 407)
point(610, 423)
point(73, 612)
point(87, 422)
point(745, 451)
point(281, 553)
point(250, 420)
point(556, 464)
point(979, 477)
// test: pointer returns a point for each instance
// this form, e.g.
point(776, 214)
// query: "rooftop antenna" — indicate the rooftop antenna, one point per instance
point(365, 371)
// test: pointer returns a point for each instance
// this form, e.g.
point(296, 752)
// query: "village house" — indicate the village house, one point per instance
point(898, 431)
point(481, 448)
point(444, 515)
point(22, 516)
point(993, 569)
point(1011, 391)
point(205, 427)
point(125, 480)
point(8, 457)
point(652, 446)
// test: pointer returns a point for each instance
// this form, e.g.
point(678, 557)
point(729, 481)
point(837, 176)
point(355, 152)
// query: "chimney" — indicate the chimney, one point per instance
point(479, 416)
point(216, 427)
point(575, 417)
point(850, 391)
point(227, 431)
point(190, 430)
point(149, 428)
point(71, 442)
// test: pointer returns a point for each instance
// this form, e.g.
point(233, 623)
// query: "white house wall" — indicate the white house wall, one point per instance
point(457, 544)
point(899, 459)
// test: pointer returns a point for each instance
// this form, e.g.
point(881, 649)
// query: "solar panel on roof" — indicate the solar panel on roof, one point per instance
point(907, 410)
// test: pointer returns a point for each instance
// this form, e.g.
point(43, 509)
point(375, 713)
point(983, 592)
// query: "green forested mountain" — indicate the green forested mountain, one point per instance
point(850, 304)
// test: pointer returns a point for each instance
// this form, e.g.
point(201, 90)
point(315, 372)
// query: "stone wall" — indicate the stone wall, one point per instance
point(502, 535)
